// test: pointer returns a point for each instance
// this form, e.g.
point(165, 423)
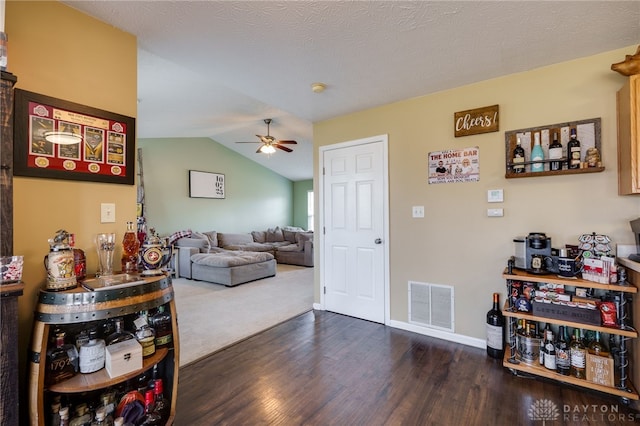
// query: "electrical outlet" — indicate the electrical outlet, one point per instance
point(107, 213)
point(417, 211)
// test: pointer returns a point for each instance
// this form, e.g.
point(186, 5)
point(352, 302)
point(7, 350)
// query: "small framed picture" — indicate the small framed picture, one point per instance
point(206, 184)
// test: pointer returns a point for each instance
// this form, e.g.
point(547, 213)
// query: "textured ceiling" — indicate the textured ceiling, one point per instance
point(218, 68)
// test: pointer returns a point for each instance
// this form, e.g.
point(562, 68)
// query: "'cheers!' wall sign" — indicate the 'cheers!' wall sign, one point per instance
point(476, 121)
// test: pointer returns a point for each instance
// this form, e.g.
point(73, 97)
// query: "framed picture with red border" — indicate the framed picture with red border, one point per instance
point(99, 145)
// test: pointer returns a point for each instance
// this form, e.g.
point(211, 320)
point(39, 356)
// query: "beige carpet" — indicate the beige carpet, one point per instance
point(212, 316)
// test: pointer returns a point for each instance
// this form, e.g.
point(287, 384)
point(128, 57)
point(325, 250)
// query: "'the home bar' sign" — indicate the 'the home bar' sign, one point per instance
point(476, 121)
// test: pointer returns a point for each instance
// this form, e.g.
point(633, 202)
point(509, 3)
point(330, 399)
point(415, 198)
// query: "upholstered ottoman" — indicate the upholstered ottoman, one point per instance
point(231, 268)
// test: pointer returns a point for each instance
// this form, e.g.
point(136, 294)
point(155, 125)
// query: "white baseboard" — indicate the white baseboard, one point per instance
point(451, 337)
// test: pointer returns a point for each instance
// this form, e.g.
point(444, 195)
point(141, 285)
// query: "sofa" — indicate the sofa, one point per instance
point(234, 258)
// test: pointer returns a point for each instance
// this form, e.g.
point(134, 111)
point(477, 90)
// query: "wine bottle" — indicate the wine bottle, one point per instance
point(573, 151)
point(550, 351)
point(563, 362)
point(518, 158)
point(597, 347)
point(555, 153)
point(495, 327)
point(537, 154)
point(578, 356)
point(543, 345)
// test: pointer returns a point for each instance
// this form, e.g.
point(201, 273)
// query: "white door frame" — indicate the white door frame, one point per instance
point(384, 139)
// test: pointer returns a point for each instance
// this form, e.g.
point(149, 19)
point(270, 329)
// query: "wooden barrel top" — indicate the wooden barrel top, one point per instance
point(80, 305)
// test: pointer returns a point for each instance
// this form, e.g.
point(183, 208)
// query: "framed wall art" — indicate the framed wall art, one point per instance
point(59, 139)
point(206, 184)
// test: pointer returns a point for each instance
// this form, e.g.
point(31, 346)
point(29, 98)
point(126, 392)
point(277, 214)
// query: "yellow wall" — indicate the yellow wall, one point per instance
point(56, 51)
point(456, 243)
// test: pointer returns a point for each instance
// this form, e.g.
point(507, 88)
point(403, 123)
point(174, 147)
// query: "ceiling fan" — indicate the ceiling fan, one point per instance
point(269, 143)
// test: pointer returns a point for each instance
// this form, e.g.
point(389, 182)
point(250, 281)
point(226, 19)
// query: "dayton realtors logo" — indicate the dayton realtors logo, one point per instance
point(546, 410)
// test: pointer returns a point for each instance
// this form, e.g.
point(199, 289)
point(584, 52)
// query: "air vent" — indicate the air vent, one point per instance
point(431, 305)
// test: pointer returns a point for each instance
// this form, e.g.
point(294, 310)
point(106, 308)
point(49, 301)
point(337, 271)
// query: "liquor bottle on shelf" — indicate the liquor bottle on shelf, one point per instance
point(130, 249)
point(82, 416)
point(62, 360)
point(573, 151)
point(92, 354)
point(563, 360)
point(55, 412)
point(578, 356)
point(543, 345)
point(120, 334)
point(550, 351)
point(161, 323)
point(64, 416)
point(555, 153)
point(150, 417)
point(100, 418)
point(518, 157)
point(145, 335)
point(597, 347)
point(537, 154)
point(81, 338)
point(163, 406)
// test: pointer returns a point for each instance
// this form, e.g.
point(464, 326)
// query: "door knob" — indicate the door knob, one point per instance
point(378, 241)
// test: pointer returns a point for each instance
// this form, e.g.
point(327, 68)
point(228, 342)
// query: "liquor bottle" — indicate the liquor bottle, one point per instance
point(518, 157)
point(82, 416)
point(555, 153)
point(161, 323)
point(64, 416)
point(163, 406)
point(597, 347)
point(543, 345)
point(81, 338)
point(145, 335)
point(62, 360)
point(150, 416)
point(573, 151)
point(578, 356)
point(99, 419)
point(108, 403)
point(119, 335)
point(130, 250)
point(55, 412)
point(563, 360)
point(92, 354)
point(537, 154)
point(550, 351)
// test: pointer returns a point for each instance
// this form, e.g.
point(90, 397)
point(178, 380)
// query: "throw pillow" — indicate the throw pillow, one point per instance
point(201, 236)
point(259, 236)
point(289, 236)
point(212, 236)
point(303, 237)
point(274, 235)
point(180, 234)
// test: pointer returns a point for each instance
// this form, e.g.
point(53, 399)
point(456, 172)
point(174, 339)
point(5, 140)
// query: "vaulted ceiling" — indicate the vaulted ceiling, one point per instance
point(217, 69)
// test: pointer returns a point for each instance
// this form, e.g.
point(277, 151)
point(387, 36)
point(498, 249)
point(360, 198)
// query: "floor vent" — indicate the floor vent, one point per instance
point(431, 305)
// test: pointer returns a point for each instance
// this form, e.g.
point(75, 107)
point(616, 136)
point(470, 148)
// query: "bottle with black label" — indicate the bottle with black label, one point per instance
point(495, 327)
point(563, 361)
point(573, 151)
point(555, 153)
point(518, 158)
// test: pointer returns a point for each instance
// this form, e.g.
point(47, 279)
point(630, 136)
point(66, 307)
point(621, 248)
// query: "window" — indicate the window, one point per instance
point(310, 210)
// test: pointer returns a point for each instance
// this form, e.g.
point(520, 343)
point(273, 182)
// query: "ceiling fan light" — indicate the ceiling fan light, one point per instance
point(267, 149)
point(62, 138)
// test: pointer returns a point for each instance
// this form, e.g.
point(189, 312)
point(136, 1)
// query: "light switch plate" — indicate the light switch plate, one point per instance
point(495, 212)
point(495, 196)
point(107, 213)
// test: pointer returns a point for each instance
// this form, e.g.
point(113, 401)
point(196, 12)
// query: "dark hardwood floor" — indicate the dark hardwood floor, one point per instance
point(323, 368)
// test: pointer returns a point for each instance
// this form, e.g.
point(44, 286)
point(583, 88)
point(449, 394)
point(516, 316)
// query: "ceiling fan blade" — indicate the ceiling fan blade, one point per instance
point(259, 148)
point(284, 148)
point(288, 142)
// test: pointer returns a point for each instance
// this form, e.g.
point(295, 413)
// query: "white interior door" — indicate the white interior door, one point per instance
point(354, 266)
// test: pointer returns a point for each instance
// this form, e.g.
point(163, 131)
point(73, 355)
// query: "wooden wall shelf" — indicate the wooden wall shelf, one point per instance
point(589, 132)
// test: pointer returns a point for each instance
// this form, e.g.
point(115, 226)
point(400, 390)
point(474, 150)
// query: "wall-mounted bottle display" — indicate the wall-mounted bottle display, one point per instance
point(556, 149)
point(91, 355)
